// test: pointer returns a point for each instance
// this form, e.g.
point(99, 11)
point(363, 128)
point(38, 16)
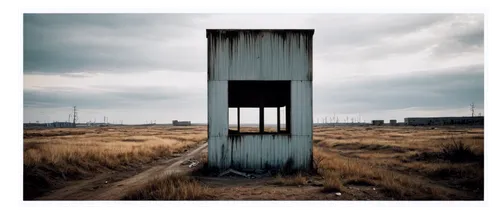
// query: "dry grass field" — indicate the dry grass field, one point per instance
point(52, 156)
point(351, 163)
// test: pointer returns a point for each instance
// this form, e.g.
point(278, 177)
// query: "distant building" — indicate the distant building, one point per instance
point(436, 121)
point(393, 122)
point(181, 123)
point(60, 125)
point(377, 122)
point(36, 125)
point(53, 125)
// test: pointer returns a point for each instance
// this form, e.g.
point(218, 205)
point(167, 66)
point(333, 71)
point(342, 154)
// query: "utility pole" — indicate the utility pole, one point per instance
point(472, 108)
point(75, 116)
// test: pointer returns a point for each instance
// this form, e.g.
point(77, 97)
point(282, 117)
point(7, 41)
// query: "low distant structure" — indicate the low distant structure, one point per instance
point(377, 122)
point(441, 121)
point(36, 125)
point(58, 125)
point(393, 122)
point(181, 123)
point(61, 125)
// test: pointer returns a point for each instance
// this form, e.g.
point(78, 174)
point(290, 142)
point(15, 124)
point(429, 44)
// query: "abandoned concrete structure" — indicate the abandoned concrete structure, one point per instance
point(251, 68)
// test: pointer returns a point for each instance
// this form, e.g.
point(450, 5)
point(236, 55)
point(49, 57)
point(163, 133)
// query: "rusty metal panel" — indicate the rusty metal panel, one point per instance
point(259, 55)
point(219, 153)
point(301, 110)
point(284, 58)
point(218, 112)
point(245, 58)
point(261, 151)
point(218, 58)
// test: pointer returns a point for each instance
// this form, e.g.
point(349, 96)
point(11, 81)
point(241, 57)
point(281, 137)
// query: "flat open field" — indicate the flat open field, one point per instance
point(156, 163)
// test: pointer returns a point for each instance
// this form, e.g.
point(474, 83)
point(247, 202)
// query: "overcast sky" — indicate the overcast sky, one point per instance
point(143, 67)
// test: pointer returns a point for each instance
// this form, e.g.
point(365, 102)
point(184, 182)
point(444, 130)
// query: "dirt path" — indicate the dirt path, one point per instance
point(113, 186)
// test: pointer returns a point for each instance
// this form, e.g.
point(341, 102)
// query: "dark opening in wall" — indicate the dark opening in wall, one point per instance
point(271, 99)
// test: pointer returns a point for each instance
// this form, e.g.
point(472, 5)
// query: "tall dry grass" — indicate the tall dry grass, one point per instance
point(60, 154)
point(170, 187)
point(106, 150)
point(406, 163)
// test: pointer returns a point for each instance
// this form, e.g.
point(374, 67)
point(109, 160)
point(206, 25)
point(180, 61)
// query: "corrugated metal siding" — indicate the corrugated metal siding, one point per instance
point(261, 151)
point(283, 59)
point(301, 114)
point(262, 56)
point(218, 60)
point(245, 58)
point(218, 111)
point(219, 152)
point(259, 56)
point(218, 124)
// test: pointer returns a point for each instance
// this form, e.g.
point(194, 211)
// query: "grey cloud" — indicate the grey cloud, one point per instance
point(78, 75)
point(463, 36)
point(66, 43)
point(472, 38)
point(72, 43)
point(365, 29)
point(454, 88)
point(371, 37)
point(105, 97)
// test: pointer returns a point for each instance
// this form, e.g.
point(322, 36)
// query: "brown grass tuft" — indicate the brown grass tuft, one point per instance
point(332, 183)
point(171, 187)
point(295, 180)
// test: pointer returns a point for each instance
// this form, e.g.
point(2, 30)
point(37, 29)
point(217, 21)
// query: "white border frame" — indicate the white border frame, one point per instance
point(110, 6)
